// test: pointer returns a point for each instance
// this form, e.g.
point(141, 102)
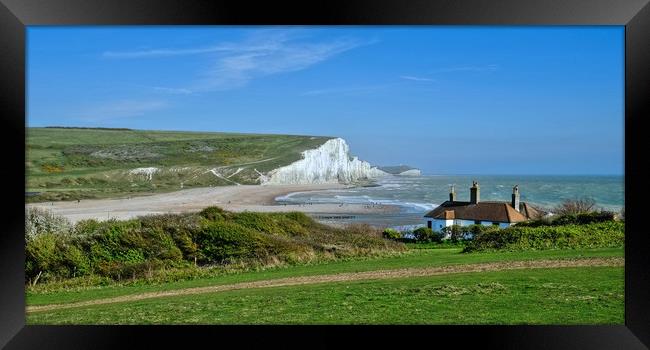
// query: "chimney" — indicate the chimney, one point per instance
point(474, 193)
point(452, 194)
point(515, 197)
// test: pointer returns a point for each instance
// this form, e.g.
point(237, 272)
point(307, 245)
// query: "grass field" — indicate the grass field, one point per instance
point(67, 164)
point(584, 295)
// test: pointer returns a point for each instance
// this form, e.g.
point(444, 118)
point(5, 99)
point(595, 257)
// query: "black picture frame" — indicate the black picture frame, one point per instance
point(15, 15)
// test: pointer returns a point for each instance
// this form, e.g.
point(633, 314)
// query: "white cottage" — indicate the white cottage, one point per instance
point(502, 214)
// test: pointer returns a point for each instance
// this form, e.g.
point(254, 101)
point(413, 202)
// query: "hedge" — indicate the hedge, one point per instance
point(594, 235)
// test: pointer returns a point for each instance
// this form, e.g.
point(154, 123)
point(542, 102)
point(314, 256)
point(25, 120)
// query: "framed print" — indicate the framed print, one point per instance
point(358, 172)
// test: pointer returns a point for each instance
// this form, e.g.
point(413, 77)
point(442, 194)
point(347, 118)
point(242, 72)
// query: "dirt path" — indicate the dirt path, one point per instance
point(345, 277)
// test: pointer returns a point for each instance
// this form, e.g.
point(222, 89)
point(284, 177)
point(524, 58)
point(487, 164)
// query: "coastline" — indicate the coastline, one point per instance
point(255, 198)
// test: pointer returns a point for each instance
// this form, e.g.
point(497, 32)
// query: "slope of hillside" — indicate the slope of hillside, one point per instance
point(401, 170)
point(68, 164)
point(76, 163)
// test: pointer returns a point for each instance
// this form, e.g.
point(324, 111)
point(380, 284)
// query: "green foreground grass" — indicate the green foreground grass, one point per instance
point(411, 259)
point(588, 295)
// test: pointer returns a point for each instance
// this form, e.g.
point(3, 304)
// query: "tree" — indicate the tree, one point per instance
point(576, 206)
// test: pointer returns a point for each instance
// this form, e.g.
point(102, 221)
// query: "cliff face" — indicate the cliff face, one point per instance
point(329, 163)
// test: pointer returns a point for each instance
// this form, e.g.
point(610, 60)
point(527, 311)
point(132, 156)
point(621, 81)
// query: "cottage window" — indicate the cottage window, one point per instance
point(429, 224)
point(477, 222)
point(495, 223)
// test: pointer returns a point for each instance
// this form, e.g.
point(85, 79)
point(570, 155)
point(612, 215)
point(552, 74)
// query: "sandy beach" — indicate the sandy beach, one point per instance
point(234, 198)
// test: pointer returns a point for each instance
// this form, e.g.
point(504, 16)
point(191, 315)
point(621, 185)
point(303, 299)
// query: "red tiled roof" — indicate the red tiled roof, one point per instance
point(483, 211)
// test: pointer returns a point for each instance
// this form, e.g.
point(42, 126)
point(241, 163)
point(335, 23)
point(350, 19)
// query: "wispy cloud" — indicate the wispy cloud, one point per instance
point(410, 77)
point(159, 52)
point(263, 53)
point(173, 91)
point(470, 68)
point(356, 90)
point(121, 109)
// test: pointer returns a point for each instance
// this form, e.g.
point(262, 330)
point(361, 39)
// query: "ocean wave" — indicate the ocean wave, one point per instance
point(409, 206)
point(391, 185)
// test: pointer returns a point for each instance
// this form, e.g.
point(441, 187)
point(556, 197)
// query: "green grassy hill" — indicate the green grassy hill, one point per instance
point(75, 163)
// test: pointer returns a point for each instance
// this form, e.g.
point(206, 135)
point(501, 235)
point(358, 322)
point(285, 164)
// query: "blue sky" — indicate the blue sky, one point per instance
point(448, 100)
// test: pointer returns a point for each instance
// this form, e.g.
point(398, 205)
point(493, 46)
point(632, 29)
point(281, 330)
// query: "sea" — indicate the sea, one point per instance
point(416, 195)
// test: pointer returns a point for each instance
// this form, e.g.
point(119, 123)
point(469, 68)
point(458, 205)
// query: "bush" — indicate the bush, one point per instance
point(363, 230)
point(585, 218)
point(262, 222)
point(39, 221)
point(391, 233)
point(41, 256)
point(49, 256)
point(225, 241)
point(455, 232)
point(571, 219)
point(425, 234)
point(213, 213)
point(594, 235)
point(575, 206)
point(136, 248)
point(181, 228)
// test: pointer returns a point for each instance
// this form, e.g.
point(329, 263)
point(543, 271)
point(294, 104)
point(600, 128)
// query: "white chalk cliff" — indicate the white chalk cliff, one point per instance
point(329, 163)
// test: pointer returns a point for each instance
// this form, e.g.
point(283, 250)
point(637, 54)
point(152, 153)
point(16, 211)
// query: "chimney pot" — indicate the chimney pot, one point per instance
point(474, 193)
point(452, 194)
point(515, 198)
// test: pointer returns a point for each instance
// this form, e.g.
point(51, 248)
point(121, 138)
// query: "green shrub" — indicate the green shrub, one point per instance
point(425, 234)
point(49, 256)
point(41, 256)
point(86, 227)
point(182, 228)
point(571, 219)
point(455, 232)
point(213, 213)
point(391, 233)
point(298, 217)
point(77, 261)
point(261, 222)
point(594, 235)
point(225, 241)
point(128, 249)
point(289, 225)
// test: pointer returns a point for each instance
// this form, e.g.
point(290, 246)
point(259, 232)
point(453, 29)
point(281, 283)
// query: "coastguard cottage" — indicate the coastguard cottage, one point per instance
point(502, 214)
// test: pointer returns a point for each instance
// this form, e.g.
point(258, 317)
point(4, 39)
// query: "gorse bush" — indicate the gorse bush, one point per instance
point(129, 249)
point(593, 235)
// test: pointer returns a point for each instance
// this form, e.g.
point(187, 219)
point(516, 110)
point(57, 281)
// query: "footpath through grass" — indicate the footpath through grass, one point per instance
point(411, 259)
point(585, 295)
